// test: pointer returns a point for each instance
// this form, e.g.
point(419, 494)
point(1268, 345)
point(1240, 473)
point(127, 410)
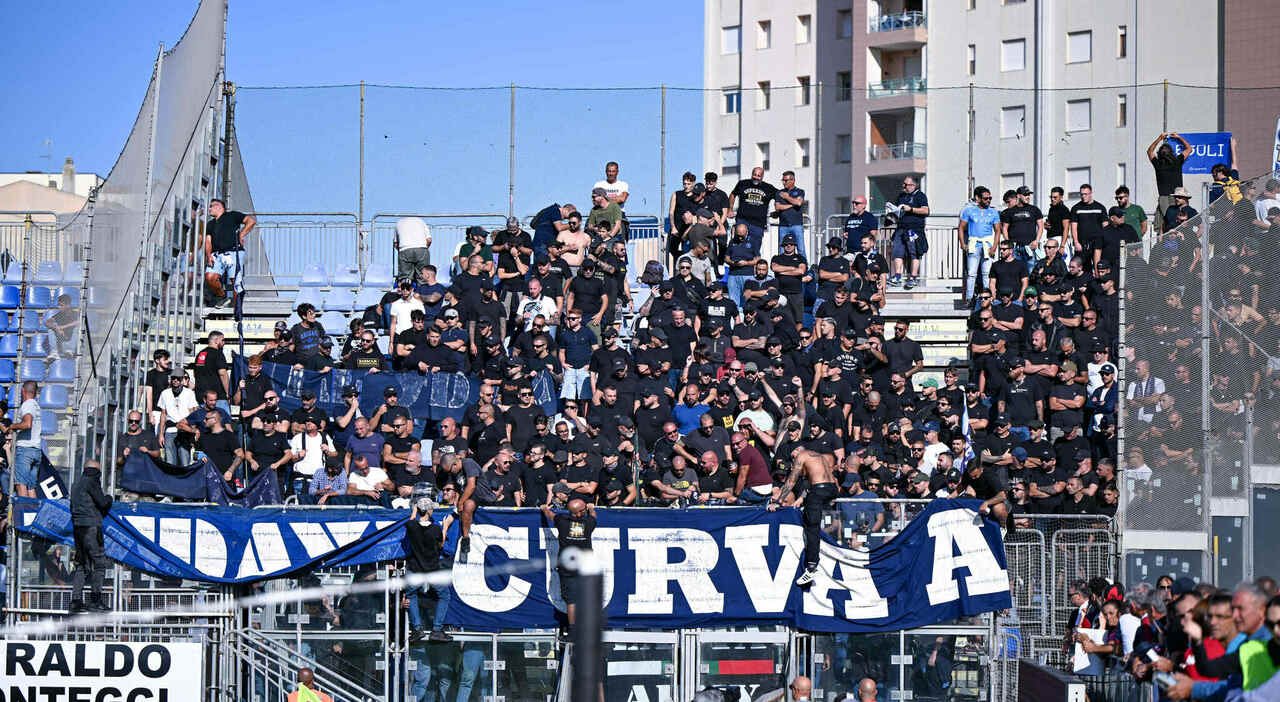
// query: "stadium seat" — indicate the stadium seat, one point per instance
point(378, 276)
point(72, 291)
point(4, 322)
point(311, 295)
point(31, 369)
point(344, 277)
point(10, 297)
point(9, 345)
point(48, 422)
point(340, 300)
point(39, 298)
point(73, 274)
point(48, 273)
point(6, 371)
point(36, 347)
point(15, 397)
point(313, 276)
point(13, 273)
point(30, 322)
point(61, 371)
point(53, 397)
point(367, 298)
point(334, 323)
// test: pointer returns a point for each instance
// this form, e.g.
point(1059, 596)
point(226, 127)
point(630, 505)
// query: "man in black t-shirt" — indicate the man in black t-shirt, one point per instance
point(573, 531)
point(1024, 226)
point(212, 372)
point(219, 445)
point(1087, 217)
point(1058, 220)
point(1008, 273)
point(223, 248)
point(586, 294)
point(1168, 168)
point(791, 271)
point(749, 202)
point(981, 482)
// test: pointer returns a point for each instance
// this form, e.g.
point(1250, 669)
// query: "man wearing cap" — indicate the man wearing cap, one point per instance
point(749, 337)
point(1023, 224)
point(833, 272)
point(788, 207)
point(476, 244)
point(792, 272)
point(175, 403)
point(1102, 401)
point(548, 223)
point(1115, 231)
point(690, 289)
point(605, 218)
point(718, 307)
point(909, 242)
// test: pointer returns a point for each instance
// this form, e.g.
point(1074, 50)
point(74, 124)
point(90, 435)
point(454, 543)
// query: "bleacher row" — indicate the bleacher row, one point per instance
point(341, 291)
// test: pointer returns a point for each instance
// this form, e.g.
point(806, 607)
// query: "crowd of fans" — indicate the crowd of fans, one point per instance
point(1194, 641)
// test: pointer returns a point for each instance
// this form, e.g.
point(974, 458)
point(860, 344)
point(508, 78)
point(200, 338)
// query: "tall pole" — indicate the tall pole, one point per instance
point(587, 627)
point(1205, 379)
point(1164, 114)
point(662, 153)
point(511, 165)
point(228, 134)
point(972, 132)
point(1247, 539)
point(1117, 527)
point(360, 204)
point(816, 156)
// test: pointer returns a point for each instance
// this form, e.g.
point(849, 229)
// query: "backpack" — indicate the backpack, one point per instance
point(653, 273)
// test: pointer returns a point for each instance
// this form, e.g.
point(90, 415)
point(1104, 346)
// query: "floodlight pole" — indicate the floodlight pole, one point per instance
point(587, 629)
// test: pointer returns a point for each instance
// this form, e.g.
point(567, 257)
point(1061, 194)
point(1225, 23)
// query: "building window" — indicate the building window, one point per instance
point(1013, 122)
point(971, 59)
point(1122, 175)
point(730, 40)
point(732, 101)
point(729, 160)
point(1012, 181)
point(1075, 178)
point(1079, 47)
point(843, 205)
point(1122, 110)
point(764, 34)
point(844, 86)
point(1122, 41)
point(802, 92)
point(762, 155)
point(1013, 55)
point(802, 153)
point(764, 95)
point(844, 24)
point(804, 27)
point(844, 148)
point(1079, 115)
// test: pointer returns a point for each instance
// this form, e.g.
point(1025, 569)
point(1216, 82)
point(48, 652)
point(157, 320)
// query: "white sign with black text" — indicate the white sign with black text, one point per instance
point(100, 671)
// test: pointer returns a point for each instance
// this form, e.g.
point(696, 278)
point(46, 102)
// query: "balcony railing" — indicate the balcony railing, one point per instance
point(893, 152)
point(897, 86)
point(895, 21)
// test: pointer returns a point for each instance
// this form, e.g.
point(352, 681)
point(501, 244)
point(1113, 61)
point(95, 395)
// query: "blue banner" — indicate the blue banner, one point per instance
point(428, 396)
point(663, 568)
point(1207, 150)
point(199, 481)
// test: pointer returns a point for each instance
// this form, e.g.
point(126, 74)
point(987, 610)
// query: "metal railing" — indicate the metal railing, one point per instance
point(898, 86)
point(895, 152)
point(287, 242)
point(267, 669)
point(894, 21)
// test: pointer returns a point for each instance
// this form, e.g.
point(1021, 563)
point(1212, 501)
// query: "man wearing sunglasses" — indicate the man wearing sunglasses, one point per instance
point(135, 439)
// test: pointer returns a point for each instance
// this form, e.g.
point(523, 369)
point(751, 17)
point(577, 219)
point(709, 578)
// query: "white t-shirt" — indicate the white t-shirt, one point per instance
point(614, 189)
point(29, 438)
point(760, 418)
point(176, 407)
point(413, 233)
point(1146, 388)
point(314, 460)
point(402, 311)
point(544, 306)
point(368, 481)
point(1260, 206)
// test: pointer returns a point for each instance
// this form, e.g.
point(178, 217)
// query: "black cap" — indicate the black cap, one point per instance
point(596, 421)
point(350, 391)
point(389, 391)
point(326, 342)
point(579, 445)
point(666, 286)
point(485, 321)
point(754, 395)
point(715, 322)
point(1035, 424)
point(492, 341)
point(849, 333)
point(704, 211)
point(1023, 190)
point(1115, 212)
point(282, 325)
point(541, 259)
point(589, 263)
point(718, 285)
point(1002, 419)
point(560, 456)
point(658, 334)
point(619, 363)
point(609, 333)
point(789, 239)
point(834, 243)
point(307, 394)
point(698, 189)
point(625, 421)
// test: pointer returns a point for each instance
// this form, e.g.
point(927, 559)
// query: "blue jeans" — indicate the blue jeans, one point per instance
point(735, 283)
point(751, 497)
point(796, 230)
point(977, 259)
point(175, 453)
point(26, 467)
point(1026, 255)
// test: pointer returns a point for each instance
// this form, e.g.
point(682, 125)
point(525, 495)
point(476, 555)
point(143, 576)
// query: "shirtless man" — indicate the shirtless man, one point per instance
point(822, 491)
point(575, 242)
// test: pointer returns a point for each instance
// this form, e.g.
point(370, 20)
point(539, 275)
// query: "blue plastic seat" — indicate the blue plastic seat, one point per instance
point(313, 276)
point(367, 298)
point(15, 398)
point(378, 276)
point(10, 297)
point(36, 347)
point(311, 295)
point(4, 322)
point(31, 369)
point(48, 273)
point(61, 371)
point(333, 323)
point(9, 345)
point(6, 371)
point(48, 422)
point(339, 300)
point(344, 277)
point(39, 298)
point(31, 321)
point(13, 273)
point(53, 397)
point(71, 291)
point(73, 274)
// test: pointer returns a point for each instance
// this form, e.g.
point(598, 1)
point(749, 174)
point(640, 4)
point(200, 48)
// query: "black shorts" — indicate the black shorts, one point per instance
point(568, 585)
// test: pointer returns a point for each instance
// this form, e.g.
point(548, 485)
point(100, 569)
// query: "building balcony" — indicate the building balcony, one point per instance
point(897, 30)
point(896, 152)
point(899, 86)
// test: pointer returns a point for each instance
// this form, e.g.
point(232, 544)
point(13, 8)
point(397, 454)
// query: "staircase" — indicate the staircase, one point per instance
point(266, 670)
point(939, 324)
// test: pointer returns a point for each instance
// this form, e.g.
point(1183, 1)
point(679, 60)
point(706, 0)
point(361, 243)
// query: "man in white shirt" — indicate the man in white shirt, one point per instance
point(26, 431)
point(615, 190)
point(369, 482)
point(402, 309)
point(310, 447)
point(533, 303)
point(1145, 391)
point(413, 241)
point(175, 403)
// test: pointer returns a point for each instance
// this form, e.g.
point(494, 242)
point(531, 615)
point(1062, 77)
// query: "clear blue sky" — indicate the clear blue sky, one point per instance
point(77, 74)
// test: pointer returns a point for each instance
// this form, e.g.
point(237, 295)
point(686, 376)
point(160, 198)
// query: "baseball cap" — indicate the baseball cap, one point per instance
point(513, 222)
point(698, 189)
point(1035, 424)
point(1108, 369)
point(560, 456)
point(658, 334)
point(1023, 190)
point(1019, 453)
point(705, 212)
point(485, 322)
point(929, 383)
point(930, 426)
point(666, 286)
point(599, 191)
point(282, 325)
point(750, 367)
point(350, 391)
point(1182, 585)
point(789, 239)
point(492, 341)
point(451, 313)
point(307, 394)
point(835, 244)
point(1115, 212)
point(390, 391)
point(625, 421)
point(177, 373)
point(619, 363)
point(326, 342)
point(1002, 419)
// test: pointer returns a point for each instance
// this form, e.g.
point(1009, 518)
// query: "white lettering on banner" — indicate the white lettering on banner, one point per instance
point(265, 553)
point(468, 578)
point(319, 538)
point(49, 488)
point(174, 534)
point(654, 570)
point(854, 577)
point(604, 542)
point(640, 693)
point(768, 590)
point(951, 530)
